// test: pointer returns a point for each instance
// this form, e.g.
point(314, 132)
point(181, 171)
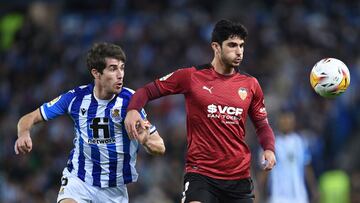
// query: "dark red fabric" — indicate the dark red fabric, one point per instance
point(143, 95)
point(265, 135)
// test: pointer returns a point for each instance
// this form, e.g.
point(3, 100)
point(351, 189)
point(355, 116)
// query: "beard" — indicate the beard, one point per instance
point(228, 62)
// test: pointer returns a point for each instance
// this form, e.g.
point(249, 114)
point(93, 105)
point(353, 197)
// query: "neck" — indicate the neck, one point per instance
point(100, 93)
point(221, 68)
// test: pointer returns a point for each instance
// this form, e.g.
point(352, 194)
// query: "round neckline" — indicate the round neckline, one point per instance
point(222, 75)
point(103, 100)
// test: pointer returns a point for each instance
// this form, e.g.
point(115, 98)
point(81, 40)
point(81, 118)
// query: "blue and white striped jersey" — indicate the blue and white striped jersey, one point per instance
point(287, 178)
point(103, 155)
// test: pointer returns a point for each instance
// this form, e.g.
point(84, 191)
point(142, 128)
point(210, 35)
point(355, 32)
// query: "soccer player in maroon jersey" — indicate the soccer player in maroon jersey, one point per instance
point(218, 99)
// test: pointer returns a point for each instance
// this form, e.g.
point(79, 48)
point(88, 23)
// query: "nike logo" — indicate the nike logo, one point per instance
point(208, 89)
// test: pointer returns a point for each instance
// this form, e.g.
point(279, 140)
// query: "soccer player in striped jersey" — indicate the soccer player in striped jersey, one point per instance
point(218, 99)
point(293, 176)
point(103, 159)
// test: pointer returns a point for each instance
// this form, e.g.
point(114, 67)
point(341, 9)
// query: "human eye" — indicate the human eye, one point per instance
point(112, 68)
point(232, 44)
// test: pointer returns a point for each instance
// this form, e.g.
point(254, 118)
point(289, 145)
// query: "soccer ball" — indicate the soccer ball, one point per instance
point(330, 77)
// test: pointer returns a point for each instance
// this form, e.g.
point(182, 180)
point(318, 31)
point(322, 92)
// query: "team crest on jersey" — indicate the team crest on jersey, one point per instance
point(166, 76)
point(242, 93)
point(115, 115)
point(52, 102)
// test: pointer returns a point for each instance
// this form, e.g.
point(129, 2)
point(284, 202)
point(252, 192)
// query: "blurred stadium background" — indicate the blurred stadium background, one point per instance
point(43, 44)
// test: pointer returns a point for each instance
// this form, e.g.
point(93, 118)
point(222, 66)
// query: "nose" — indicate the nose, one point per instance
point(239, 51)
point(120, 73)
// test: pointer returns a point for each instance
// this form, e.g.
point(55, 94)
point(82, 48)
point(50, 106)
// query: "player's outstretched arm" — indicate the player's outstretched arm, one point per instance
point(23, 143)
point(152, 142)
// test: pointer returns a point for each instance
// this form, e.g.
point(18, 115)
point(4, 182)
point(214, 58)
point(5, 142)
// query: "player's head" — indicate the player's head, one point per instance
point(106, 63)
point(286, 121)
point(227, 41)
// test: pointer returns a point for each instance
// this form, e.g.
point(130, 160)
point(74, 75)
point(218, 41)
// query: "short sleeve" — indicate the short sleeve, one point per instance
point(57, 106)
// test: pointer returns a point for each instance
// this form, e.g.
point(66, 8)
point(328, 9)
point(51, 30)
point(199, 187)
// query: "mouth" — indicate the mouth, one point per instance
point(238, 60)
point(118, 85)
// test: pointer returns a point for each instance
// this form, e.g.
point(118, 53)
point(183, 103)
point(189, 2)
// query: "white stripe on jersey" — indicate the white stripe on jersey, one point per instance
point(42, 111)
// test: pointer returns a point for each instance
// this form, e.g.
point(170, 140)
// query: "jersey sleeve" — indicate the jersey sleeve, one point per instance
point(257, 110)
point(177, 82)
point(143, 116)
point(57, 106)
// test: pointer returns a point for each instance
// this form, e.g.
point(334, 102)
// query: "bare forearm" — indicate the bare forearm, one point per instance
point(27, 121)
point(23, 144)
point(154, 144)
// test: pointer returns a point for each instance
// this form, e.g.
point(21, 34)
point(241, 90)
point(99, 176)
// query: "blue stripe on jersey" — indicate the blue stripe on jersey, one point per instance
point(95, 153)
point(111, 147)
point(126, 94)
point(76, 109)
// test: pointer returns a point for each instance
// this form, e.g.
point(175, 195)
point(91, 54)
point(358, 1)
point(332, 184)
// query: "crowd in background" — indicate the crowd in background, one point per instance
point(42, 51)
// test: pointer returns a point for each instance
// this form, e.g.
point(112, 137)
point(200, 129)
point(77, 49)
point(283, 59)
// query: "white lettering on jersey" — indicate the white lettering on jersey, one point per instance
point(227, 114)
point(229, 110)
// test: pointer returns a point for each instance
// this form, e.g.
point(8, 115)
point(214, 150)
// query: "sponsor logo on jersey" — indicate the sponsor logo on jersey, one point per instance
point(228, 114)
point(166, 76)
point(52, 102)
point(208, 89)
point(101, 141)
point(242, 93)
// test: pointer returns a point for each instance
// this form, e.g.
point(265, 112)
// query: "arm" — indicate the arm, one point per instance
point(137, 102)
point(23, 143)
point(265, 134)
point(154, 144)
point(267, 141)
point(177, 82)
point(151, 141)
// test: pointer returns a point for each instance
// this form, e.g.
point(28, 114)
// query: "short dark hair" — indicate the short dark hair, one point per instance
point(99, 51)
point(225, 29)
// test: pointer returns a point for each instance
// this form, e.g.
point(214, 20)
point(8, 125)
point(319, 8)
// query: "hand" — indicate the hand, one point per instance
point(23, 144)
point(268, 160)
point(133, 119)
point(143, 134)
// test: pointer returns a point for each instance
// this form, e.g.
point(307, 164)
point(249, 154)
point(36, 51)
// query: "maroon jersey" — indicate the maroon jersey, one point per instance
point(216, 106)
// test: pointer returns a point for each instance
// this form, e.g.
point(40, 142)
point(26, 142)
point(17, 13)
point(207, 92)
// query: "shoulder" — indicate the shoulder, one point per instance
point(82, 89)
point(202, 66)
point(77, 91)
point(126, 93)
point(195, 68)
point(128, 90)
point(245, 74)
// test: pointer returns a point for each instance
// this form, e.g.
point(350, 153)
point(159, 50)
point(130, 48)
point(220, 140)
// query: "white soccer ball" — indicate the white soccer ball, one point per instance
point(330, 77)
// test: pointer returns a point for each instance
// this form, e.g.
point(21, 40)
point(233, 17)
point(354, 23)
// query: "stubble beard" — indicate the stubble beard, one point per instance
point(228, 62)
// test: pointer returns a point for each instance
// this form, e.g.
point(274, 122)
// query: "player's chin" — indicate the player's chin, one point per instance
point(117, 89)
point(236, 63)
